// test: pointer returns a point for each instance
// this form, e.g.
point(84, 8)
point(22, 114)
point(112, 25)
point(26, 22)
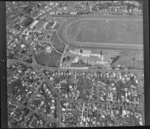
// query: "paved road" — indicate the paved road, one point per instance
point(45, 117)
point(71, 69)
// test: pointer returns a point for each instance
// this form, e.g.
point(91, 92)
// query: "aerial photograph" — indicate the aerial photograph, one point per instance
point(75, 64)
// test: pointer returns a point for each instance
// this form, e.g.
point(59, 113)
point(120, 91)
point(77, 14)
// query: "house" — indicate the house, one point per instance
point(55, 23)
point(33, 24)
point(45, 24)
point(52, 13)
point(58, 12)
point(48, 49)
point(51, 3)
point(73, 13)
point(75, 60)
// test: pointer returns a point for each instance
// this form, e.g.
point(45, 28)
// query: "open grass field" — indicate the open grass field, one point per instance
point(57, 44)
point(103, 32)
point(48, 59)
point(122, 31)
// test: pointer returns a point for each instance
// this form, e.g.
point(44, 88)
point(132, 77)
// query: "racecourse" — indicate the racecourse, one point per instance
point(131, 41)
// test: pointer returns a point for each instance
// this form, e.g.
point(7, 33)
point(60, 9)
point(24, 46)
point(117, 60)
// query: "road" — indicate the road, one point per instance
point(80, 69)
point(40, 71)
point(62, 56)
point(34, 111)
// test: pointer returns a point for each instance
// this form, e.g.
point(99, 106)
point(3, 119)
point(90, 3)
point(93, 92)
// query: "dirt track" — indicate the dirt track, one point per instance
point(116, 45)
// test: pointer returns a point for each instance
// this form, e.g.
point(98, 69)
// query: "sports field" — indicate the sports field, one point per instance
point(121, 31)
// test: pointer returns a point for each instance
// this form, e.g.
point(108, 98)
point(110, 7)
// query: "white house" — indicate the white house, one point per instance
point(75, 60)
point(34, 23)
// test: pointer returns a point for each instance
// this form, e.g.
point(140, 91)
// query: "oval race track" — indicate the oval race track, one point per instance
point(63, 35)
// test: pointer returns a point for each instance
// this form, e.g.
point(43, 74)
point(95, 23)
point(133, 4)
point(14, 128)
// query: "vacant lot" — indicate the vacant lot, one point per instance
point(122, 31)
